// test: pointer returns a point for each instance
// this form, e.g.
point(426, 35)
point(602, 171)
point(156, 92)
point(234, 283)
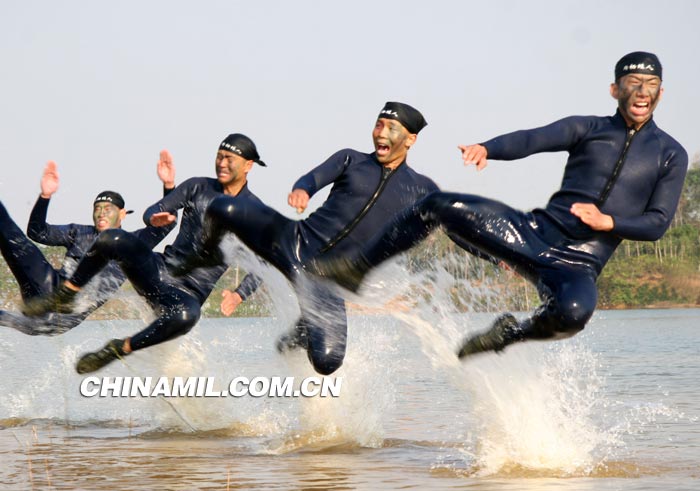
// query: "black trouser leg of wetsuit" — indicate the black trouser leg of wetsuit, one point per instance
point(177, 310)
point(36, 277)
point(324, 320)
point(494, 229)
point(272, 236)
point(569, 300)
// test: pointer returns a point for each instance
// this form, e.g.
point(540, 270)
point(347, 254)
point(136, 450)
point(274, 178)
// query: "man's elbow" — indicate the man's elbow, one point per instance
point(35, 233)
point(657, 232)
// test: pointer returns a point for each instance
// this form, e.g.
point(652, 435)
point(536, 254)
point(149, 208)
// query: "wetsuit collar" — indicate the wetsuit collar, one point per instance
point(241, 191)
point(374, 157)
point(244, 190)
point(619, 120)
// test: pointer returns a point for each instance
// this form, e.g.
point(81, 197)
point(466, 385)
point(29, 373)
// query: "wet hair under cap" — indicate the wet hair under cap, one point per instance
point(638, 62)
point(111, 197)
point(408, 116)
point(243, 146)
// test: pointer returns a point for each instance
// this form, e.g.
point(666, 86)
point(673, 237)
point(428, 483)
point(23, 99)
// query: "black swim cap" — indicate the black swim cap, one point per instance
point(408, 116)
point(111, 197)
point(638, 62)
point(243, 146)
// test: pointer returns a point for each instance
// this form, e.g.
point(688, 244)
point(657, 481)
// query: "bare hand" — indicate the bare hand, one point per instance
point(298, 199)
point(49, 180)
point(474, 154)
point(589, 214)
point(230, 302)
point(166, 169)
point(162, 219)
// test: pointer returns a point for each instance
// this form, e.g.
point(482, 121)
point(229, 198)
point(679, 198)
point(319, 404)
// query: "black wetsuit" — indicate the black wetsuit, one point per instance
point(177, 300)
point(36, 277)
point(634, 176)
point(365, 196)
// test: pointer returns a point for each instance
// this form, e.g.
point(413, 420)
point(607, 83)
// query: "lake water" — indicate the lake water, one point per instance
point(616, 407)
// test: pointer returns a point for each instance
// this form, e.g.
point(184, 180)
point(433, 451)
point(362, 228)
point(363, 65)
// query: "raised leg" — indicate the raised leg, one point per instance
point(34, 274)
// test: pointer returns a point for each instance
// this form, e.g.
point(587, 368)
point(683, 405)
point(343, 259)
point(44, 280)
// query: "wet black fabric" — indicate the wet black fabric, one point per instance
point(551, 247)
point(37, 277)
point(643, 198)
point(176, 300)
point(355, 177)
point(564, 270)
point(193, 197)
point(287, 244)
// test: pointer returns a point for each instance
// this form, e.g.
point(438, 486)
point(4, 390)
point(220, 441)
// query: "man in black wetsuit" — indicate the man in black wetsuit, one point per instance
point(36, 277)
point(368, 189)
point(623, 180)
point(176, 298)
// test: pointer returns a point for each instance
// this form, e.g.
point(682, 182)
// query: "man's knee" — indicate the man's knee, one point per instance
point(109, 239)
point(438, 202)
point(326, 347)
point(326, 363)
point(558, 319)
point(573, 315)
point(455, 209)
point(185, 315)
point(221, 208)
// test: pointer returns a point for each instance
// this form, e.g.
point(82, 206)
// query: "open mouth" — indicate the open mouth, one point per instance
point(382, 150)
point(640, 108)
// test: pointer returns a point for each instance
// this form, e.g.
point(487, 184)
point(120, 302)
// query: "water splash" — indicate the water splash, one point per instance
point(537, 408)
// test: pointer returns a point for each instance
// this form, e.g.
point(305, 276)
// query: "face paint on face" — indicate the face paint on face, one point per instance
point(105, 216)
point(230, 168)
point(637, 97)
point(391, 141)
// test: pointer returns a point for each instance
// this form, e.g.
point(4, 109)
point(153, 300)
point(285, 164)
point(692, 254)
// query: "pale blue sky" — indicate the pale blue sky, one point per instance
point(102, 87)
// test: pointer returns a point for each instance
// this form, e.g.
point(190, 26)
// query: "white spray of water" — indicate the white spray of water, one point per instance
point(538, 406)
point(534, 407)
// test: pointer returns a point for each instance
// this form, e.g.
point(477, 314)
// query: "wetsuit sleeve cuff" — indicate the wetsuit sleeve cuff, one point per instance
point(305, 184)
point(489, 146)
point(248, 286)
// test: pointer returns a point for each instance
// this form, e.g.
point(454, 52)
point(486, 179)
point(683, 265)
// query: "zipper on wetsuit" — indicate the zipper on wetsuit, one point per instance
point(631, 133)
point(386, 174)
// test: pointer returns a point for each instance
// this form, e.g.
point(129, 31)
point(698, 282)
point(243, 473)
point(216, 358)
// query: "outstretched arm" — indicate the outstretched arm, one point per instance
point(559, 136)
point(318, 178)
point(38, 229)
